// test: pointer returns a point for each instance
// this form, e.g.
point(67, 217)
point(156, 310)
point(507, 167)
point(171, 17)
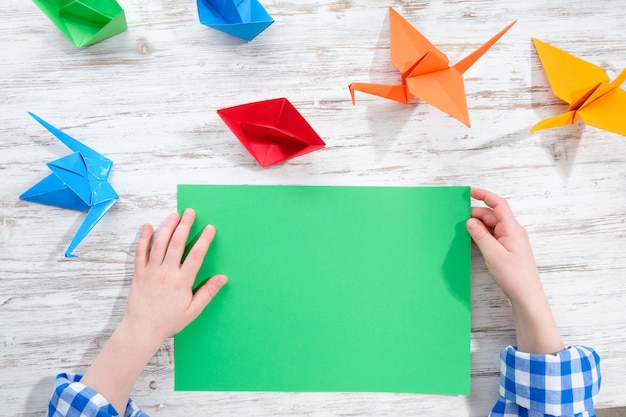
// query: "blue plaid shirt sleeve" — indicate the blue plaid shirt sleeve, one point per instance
point(565, 384)
point(71, 398)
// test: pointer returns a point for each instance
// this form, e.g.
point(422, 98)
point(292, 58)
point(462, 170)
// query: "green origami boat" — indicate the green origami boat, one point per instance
point(85, 22)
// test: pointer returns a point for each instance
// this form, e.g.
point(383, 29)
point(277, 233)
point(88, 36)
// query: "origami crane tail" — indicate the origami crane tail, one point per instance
point(557, 121)
point(69, 141)
point(94, 215)
point(620, 79)
point(389, 91)
point(468, 61)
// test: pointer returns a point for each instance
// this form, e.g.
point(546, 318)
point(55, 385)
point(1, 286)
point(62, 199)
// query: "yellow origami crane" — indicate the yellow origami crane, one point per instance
point(586, 88)
point(425, 70)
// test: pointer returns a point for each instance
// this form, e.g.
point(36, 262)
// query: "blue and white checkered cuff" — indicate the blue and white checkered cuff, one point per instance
point(565, 384)
point(73, 398)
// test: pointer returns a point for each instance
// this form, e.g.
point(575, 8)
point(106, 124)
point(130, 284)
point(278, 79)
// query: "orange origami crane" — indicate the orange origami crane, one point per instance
point(586, 88)
point(425, 70)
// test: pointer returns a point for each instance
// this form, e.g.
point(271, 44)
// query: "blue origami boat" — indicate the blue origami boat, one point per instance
point(244, 19)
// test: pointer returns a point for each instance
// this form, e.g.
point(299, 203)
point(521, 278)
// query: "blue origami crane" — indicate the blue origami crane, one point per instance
point(244, 19)
point(79, 181)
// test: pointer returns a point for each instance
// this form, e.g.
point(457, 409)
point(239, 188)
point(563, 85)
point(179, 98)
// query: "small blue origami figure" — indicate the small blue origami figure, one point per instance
point(79, 181)
point(244, 19)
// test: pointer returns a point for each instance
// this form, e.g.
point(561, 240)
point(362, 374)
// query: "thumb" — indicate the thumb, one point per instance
point(205, 294)
point(485, 241)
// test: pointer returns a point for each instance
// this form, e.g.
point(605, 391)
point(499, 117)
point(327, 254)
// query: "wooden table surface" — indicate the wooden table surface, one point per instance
point(147, 99)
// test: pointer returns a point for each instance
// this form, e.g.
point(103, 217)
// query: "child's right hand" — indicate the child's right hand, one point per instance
point(505, 246)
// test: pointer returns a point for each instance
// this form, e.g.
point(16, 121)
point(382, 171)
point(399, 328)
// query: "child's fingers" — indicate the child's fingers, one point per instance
point(205, 294)
point(196, 255)
point(142, 252)
point(485, 215)
point(162, 239)
point(500, 206)
point(176, 246)
point(485, 241)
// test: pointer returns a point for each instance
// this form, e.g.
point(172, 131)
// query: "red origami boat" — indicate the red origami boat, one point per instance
point(273, 131)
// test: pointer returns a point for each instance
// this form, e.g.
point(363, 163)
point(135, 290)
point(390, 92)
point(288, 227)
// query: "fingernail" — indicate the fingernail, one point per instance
point(472, 223)
point(222, 279)
point(188, 212)
point(209, 227)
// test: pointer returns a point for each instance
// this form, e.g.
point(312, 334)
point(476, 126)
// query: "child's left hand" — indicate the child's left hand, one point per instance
point(161, 302)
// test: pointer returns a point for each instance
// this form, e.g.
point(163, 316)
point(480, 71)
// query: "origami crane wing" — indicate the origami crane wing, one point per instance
point(78, 182)
point(585, 87)
point(273, 131)
point(85, 22)
point(569, 76)
point(54, 192)
point(244, 19)
point(409, 47)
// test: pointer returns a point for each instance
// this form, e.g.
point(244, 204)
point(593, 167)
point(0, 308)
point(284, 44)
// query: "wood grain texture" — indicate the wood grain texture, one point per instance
point(147, 99)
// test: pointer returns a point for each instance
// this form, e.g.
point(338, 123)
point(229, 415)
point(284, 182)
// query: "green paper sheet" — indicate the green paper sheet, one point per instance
point(340, 289)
